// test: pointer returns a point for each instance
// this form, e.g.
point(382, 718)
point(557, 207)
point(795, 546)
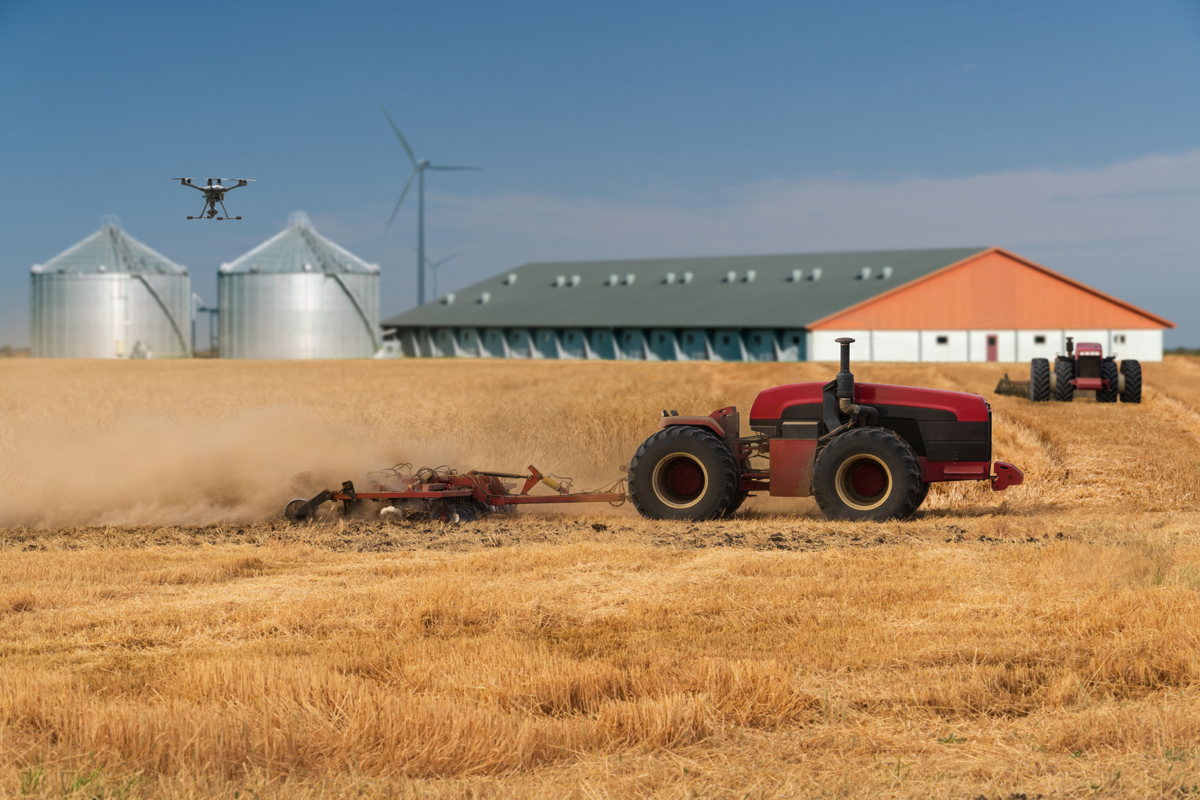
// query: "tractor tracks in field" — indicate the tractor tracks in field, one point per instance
point(1179, 409)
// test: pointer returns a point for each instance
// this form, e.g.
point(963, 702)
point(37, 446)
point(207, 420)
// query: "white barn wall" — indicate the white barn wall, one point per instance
point(955, 348)
point(1006, 345)
point(1029, 349)
point(894, 346)
point(1143, 345)
point(822, 347)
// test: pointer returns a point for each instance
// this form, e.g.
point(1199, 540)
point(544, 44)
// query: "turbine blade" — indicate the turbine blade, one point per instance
point(447, 169)
point(401, 200)
point(411, 156)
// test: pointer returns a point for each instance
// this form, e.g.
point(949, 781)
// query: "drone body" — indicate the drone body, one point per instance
point(214, 196)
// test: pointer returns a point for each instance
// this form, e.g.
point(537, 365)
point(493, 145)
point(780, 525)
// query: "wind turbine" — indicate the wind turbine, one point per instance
point(419, 168)
point(433, 265)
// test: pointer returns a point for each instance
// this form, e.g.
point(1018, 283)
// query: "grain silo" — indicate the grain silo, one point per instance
point(299, 295)
point(110, 296)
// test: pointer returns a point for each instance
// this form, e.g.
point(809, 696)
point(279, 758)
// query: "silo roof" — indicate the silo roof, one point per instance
point(769, 291)
point(110, 249)
point(299, 248)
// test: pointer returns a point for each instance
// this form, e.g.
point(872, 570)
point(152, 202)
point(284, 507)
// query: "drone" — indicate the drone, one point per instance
point(214, 195)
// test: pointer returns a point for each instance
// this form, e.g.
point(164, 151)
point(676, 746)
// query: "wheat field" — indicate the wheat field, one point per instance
point(163, 633)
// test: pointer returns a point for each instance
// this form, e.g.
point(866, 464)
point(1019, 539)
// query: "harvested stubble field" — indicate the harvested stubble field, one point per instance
point(163, 633)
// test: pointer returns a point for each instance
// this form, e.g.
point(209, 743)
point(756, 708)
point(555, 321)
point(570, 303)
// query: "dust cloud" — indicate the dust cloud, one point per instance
point(145, 469)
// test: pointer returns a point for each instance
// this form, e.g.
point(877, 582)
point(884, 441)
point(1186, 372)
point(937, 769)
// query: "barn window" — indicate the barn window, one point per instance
point(1039, 340)
point(691, 339)
point(725, 339)
point(570, 337)
point(943, 340)
point(1118, 338)
point(795, 340)
point(758, 340)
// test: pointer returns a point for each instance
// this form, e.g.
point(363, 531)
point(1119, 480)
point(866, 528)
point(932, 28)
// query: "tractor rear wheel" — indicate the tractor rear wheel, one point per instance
point(1064, 373)
point(683, 472)
point(867, 474)
point(1132, 370)
point(738, 499)
point(1039, 380)
point(1108, 372)
point(921, 495)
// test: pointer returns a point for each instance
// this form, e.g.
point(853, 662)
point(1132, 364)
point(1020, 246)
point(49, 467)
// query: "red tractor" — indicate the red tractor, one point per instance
point(865, 451)
point(1085, 368)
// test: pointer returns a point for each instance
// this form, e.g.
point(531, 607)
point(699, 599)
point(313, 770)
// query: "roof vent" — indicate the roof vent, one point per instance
point(102, 268)
point(484, 297)
point(750, 276)
point(560, 281)
point(864, 274)
point(448, 300)
point(308, 267)
point(885, 273)
point(815, 275)
point(510, 279)
point(669, 278)
point(730, 276)
point(298, 219)
point(110, 221)
point(613, 280)
point(796, 276)
point(575, 280)
point(630, 278)
point(687, 278)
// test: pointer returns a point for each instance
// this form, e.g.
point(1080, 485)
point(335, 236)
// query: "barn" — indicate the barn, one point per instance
point(951, 304)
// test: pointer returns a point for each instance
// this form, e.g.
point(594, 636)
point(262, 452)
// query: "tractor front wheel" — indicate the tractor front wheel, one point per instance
point(683, 472)
point(867, 475)
point(1039, 380)
point(1132, 370)
point(1064, 373)
point(1108, 372)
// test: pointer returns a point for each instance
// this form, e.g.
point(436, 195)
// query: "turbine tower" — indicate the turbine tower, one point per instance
point(433, 268)
point(419, 168)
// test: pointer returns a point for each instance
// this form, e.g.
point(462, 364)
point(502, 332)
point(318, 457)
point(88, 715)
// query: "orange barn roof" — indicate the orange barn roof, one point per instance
point(996, 290)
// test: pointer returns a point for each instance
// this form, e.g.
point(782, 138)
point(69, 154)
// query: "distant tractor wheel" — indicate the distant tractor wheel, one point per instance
point(1132, 370)
point(1064, 373)
point(1039, 380)
point(1108, 372)
point(683, 472)
point(867, 474)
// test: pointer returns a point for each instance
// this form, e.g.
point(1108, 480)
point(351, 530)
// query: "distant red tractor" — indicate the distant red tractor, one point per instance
point(865, 451)
point(1085, 368)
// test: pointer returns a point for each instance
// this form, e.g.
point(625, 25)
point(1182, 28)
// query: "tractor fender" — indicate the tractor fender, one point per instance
point(694, 422)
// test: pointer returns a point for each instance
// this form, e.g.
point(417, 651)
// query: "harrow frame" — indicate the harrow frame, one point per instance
point(442, 489)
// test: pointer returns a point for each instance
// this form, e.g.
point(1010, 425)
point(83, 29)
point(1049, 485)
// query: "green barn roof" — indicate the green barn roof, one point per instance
point(780, 291)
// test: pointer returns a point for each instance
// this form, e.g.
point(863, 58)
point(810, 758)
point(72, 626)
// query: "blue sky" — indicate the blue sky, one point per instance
point(1068, 132)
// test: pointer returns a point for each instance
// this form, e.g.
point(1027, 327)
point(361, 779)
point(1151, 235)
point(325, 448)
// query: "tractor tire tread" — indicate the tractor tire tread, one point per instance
point(728, 466)
point(1108, 372)
point(1064, 372)
point(1039, 380)
point(1132, 371)
point(910, 474)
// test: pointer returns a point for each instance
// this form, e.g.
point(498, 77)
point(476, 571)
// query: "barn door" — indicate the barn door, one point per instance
point(992, 340)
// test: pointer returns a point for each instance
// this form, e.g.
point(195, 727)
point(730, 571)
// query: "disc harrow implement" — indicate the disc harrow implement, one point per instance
point(444, 494)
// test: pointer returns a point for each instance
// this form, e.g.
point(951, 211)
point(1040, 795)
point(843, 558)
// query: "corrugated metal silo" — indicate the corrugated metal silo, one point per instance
point(299, 295)
point(110, 296)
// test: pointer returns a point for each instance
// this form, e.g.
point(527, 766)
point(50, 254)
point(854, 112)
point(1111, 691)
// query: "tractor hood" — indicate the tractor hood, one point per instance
point(770, 404)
